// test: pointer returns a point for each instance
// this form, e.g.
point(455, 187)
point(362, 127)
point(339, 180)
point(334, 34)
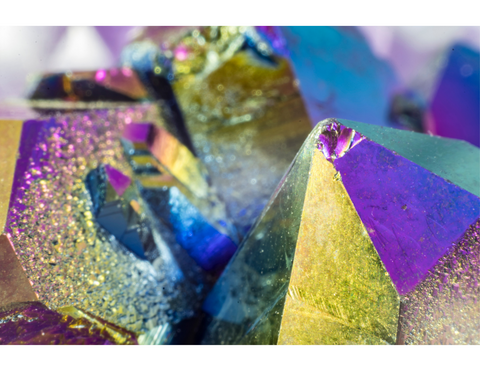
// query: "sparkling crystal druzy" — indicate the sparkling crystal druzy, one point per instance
point(372, 237)
point(49, 224)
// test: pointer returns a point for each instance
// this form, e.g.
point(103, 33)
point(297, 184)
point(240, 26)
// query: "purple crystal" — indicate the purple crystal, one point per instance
point(412, 215)
point(119, 181)
point(336, 140)
point(33, 323)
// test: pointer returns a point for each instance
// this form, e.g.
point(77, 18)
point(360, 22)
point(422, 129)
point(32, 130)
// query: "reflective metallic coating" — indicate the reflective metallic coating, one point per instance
point(67, 258)
point(412, 215)
point(339, 291)
point(445, 307)
point(34, 323)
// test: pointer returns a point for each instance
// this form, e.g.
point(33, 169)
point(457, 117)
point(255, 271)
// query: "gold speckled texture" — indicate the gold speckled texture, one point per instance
point(339, 291)
point(67, 257)
point(445, 307)
point(9, 140)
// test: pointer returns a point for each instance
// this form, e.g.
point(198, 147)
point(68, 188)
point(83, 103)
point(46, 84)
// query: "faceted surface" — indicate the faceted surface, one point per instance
point(339, 290)
point(9, 142)
point(375, 237)
point(411, 215)
point(257, 276)
point(169, 174)
point(205, 244)
point(33, 323)
point(120, 216)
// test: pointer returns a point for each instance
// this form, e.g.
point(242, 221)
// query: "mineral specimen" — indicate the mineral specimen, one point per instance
point(371, 238)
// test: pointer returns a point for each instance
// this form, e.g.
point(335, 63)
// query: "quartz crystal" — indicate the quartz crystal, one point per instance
point(371, 238)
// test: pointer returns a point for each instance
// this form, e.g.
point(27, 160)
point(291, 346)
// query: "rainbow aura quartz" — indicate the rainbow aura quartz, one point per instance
point(67, 258)
point(372, 237)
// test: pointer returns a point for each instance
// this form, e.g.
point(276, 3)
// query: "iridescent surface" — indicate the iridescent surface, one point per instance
point(344, 283)
point(67, 258)
point(257, 277)
point(33, 323)
point(411, 215)
point(339, 290)
point(453, 160)
point(445, 307)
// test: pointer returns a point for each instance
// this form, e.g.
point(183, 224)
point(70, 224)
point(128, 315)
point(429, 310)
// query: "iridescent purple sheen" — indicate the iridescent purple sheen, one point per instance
point(412, 215)
point(33, 132)
point(33, 323)
point(137, 132)
point(119, 181)
point(336, 140)
point(344, 141)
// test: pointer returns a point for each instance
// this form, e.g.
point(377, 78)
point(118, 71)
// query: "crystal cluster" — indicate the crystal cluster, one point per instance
point(183, 198)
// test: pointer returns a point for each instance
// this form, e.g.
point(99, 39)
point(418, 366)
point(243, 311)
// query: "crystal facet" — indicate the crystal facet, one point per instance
point(356, 241)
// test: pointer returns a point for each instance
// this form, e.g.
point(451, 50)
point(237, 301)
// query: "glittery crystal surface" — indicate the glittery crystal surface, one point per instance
point(339, 290)
point(445, 307)
point(33, 323)
point(67, 258)
point(329, 277)
point(411, 215)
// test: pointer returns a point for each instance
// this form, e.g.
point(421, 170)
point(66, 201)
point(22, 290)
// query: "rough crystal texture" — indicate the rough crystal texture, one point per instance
point(445, 307)
point(33, 323)
point(67, 258)
point(14, 284)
